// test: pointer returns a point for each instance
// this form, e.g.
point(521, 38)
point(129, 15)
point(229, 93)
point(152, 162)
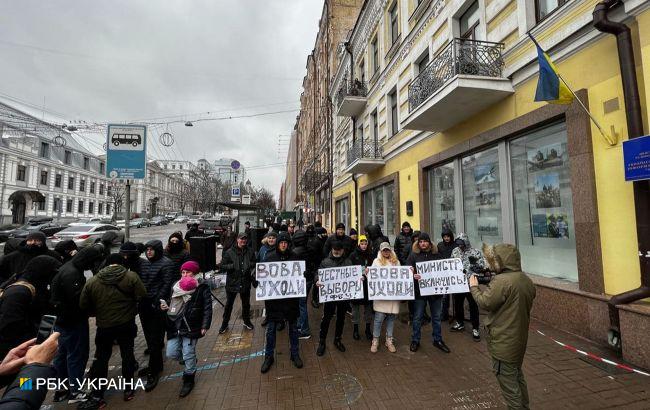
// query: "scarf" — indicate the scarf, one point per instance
point(178, 301)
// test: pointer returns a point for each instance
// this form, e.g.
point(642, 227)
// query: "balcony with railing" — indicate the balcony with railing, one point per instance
point(364, 156)
point(462, 80)
point(351, 98)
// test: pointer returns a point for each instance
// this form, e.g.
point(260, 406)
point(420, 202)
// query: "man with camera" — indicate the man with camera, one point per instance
point(508, 299)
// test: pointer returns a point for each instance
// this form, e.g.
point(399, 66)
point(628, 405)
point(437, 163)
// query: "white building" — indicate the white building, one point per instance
point(180, 168)
point(158, 193)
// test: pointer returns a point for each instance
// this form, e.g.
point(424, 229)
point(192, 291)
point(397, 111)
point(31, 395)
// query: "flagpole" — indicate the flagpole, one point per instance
point(607, 138)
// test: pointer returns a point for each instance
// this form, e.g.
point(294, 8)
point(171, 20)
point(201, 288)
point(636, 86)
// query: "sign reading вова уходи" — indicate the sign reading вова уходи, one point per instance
point(390, 283)
point(441, 277)
point(636, 157)
point(126, 151)
point(280, 280)
point(340, 283)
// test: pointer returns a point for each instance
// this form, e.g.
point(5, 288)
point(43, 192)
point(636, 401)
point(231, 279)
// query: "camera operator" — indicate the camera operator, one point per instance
point(473, 263)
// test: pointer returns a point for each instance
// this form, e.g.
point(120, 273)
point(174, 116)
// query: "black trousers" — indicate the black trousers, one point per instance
point(230, 302)
point(125, 336)
point(328, 312)
point(153, 327)
point(459, 307)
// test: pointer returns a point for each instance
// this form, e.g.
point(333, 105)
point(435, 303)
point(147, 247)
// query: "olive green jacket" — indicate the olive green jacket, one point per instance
point(508, 299)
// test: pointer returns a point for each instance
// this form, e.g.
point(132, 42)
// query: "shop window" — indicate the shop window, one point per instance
point(442, 199)
point(543, 204)
point(482, 197)
point(380, 208)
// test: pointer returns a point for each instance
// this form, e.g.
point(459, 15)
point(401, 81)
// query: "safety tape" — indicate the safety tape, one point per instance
point(595, 357)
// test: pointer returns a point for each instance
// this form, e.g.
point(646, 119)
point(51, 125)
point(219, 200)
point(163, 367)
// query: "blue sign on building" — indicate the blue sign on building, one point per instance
point(126, 151)
point(636, 156)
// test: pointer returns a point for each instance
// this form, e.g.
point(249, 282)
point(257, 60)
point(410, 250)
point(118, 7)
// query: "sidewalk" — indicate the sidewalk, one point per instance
point(229, 373)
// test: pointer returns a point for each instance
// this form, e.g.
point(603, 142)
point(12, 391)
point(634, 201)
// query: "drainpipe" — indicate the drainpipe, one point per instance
point(348, 48)
point(641, 188)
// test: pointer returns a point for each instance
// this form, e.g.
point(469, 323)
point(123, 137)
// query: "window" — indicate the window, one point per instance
point(108, 209)
point(58, 180)
point(67, 158)
point(82, 185)
point(394, 23)
point(442, 199)
point(70, 182)
point(423, 62)
point(379, 208)
point(100, 208)
point(86, 163)
point(362, 71)
point(101, 189)
point(80, 208)
point(45, 150)
point(41, 205)
point(43, 177)
point(68, 205)
point(545, 7)
point(102, 168)
point(394, 123)
point(180, 167)
point(343, 211)
point(56, 205)
point(375, 126)
point(374, 50)
point(173, 166)
point(91, 207)
point(92, 187)
point(469, 22)
point(22, 170)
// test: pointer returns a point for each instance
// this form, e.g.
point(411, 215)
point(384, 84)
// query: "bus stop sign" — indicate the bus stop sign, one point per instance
point(126, 151)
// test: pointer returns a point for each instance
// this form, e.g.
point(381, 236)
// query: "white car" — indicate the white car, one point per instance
point(181, 219)
point(86, 221)
point(84, 235)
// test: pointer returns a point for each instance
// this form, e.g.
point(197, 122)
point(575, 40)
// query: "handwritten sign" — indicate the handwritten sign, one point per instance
point(341, 283)
point(280, 280)
point(442, 277)
point(390, 283)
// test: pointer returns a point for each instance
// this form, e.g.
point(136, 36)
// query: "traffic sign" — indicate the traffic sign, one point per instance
point(235, 191)
point(235, 164)
point(126, 153)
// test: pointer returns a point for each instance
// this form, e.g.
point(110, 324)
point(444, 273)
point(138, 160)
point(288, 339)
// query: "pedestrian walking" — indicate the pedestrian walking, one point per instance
point(385, 310)
point(14, 263)
point(363, 257)
point(279, 311)
point(239, 264)
point(473, 262)
point(340, 236)
point(508, 299)
point(112, 298)
point(189, 315)
point(425, 251)
point(176, 252)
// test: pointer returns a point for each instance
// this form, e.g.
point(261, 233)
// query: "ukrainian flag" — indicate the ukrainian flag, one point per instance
point(550, 87)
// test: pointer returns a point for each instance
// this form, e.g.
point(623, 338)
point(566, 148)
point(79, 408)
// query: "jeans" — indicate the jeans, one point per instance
point(328, 312)
point(459, 307)
point(230, 302)
point(125, 336)
point(435, 304)
point(153, 326)
point(379, 319)
point(270, 338)
point(72, 354)
point(303, 320)
point(183, 348)
point(367, 313)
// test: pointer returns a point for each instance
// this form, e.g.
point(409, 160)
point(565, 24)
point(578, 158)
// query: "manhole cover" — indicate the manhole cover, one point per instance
point(342, 389)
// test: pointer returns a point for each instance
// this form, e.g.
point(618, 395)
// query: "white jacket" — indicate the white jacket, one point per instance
point(385, 306)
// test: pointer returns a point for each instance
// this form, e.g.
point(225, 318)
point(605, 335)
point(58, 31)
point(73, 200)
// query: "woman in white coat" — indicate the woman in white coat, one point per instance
point(385, 309)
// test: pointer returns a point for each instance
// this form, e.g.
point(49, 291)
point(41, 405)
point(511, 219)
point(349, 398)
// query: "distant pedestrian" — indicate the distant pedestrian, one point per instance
point(375, 237)
point(238, 263)
point(363, 257)
point(385, 310)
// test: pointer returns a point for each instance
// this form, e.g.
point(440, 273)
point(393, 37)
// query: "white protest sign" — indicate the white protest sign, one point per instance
point(280, 280)
point(442, 277)
point(390, 283)
point(340, 283)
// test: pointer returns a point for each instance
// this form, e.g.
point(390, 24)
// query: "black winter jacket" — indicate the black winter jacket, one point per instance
point(365, 259)
point(302, 253)
point(417, 255)
point(156, 275)
point(444, 249)
point(403, 246)
point(178, 259)
point(19, 319)
point(15, 398)
point(239, 265)
point(315, 246)
point(348, 245)
point(15, 262)
point(197, 315)
point(375, 237)
point(282, 309)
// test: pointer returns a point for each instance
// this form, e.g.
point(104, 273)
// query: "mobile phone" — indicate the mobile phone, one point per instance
point(163, 303)
point(46, 328)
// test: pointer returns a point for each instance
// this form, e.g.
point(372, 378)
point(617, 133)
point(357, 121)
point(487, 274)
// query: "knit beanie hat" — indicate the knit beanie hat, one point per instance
point(188, 283)
point(128, 248)
point(191, 266)
point(37, 235)
point(340, 225)
point(115, 259)
point(353, 232)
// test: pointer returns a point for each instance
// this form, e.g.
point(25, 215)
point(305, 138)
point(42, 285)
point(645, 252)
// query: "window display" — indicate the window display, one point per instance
point(441, 198)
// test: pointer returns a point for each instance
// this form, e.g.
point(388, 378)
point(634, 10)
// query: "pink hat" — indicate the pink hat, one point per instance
point(191, 266)
point(188, 283)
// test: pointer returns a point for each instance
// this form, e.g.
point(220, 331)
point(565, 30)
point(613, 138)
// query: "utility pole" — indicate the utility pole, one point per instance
point(127, 218)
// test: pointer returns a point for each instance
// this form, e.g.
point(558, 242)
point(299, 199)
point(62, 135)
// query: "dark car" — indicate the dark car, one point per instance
point(49, 228)
point(7, 230)
point(159, 220)
point(212, 226)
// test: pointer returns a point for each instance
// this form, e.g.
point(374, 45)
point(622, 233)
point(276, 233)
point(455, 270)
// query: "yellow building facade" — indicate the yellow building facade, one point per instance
point(435, 123)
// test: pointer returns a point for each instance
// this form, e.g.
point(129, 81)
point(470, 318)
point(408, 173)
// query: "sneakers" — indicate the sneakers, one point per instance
point(414, 346)
point(248, 325)
point(339, 345)
point(297, 361)
point(457, 327)
point(77, 397)
point(355, 332)
point(476, 335)
point(442, 346)
point(268, 362)
point(368, 332)
point(374, 345)
point(390, 345)
point(152, 382)
point(321, 347)
point(223, 329)
point(304, 336)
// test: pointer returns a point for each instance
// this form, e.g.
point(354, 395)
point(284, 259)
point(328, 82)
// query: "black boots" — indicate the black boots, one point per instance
point(339, 345)
point(268, 362)
point(355, 333)
point(321, 347)
point(152, 381)
point(297, 361)
point(368, 332)
point(188, 385)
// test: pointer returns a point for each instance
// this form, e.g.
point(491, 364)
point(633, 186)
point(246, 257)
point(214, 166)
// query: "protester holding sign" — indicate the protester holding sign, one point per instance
point(362, 256)
point(335, 259)
point(282, 309)
point(385, 309)
point(473, 262)
point(425, 251)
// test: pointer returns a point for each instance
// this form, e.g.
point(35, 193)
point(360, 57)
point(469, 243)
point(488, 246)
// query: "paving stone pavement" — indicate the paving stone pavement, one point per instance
point(229, 375)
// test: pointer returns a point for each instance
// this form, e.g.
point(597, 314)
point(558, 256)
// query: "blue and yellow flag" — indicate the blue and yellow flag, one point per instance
point(550, 87)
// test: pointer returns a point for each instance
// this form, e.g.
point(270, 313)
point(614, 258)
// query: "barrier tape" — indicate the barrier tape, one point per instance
point(595, 357)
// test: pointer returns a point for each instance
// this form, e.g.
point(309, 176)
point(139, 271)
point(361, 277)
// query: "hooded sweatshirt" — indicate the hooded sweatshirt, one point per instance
point(177, 253)
point(112, 296)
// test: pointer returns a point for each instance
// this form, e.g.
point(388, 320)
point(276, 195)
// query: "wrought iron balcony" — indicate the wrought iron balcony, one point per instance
point(364, 156)
point(467, 74)
point(351, 98)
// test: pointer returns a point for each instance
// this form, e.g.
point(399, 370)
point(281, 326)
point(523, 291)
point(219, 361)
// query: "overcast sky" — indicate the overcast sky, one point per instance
point(131, 60)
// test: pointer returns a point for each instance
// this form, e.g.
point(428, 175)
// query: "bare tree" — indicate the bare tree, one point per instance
point(263, 198)
point(116, 191)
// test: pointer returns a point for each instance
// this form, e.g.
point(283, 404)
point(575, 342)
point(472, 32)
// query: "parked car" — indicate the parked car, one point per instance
point(213, 226)
point(122, 223)
point(140, 222)
point(181, 219)
point(159, 220)
point(193, 221)
point(84, 235)
point(7, 230)
point(89, 221)
point(49, 228)
point(171, 216)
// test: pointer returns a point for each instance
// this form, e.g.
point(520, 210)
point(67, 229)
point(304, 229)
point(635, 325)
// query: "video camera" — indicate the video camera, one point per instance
point(484, 275)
